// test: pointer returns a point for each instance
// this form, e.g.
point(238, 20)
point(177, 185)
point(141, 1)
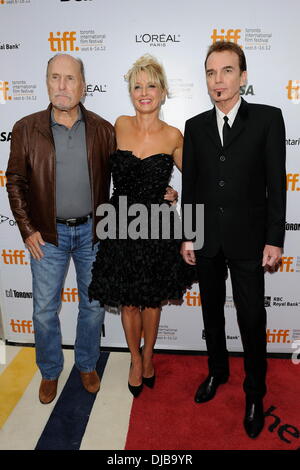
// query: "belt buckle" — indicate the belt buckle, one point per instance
point(71, 222)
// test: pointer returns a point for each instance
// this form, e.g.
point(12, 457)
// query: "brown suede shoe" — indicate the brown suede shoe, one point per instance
point(90, 381)
point(48, 389)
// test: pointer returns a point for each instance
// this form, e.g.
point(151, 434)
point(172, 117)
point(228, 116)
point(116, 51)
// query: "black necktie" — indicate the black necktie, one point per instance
point(226, 130)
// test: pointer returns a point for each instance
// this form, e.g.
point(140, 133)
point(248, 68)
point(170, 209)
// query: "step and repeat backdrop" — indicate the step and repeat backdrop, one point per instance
point(109, 36)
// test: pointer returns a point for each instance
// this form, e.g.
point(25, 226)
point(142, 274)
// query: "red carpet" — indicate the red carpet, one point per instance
point(167, 418)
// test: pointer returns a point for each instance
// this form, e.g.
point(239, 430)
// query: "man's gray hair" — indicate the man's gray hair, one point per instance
point(81, 65)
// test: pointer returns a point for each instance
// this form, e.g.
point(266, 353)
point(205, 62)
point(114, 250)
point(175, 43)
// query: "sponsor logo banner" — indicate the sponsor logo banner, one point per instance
point(74, 41)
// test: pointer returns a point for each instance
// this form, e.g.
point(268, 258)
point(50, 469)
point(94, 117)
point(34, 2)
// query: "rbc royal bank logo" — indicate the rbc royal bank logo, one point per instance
point(232, 35)
point(63, 42)
point(4, 92)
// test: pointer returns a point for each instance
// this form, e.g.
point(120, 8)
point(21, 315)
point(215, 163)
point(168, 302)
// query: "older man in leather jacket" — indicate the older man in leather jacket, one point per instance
point(57, 176)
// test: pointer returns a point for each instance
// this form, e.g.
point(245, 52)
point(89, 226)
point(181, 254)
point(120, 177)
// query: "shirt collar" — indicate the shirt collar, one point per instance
point(232, 113)
point(54, 123)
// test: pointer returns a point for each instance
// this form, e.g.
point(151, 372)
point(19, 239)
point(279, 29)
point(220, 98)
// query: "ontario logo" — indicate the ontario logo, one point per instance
point(4, 92)
point(232, 35)
point(293, 91)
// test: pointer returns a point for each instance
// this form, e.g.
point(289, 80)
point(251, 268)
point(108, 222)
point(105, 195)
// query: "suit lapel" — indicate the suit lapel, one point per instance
point(239, 123)
point(212, 128)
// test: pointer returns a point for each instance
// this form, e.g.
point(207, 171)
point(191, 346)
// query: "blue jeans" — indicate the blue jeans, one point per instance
point(48, 277)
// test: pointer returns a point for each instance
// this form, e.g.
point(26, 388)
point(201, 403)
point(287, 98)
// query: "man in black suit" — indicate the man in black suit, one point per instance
point(234, 164)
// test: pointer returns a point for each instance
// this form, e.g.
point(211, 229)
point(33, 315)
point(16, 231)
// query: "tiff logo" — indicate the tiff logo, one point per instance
point(14, 257)
point(286, 263)
point(70, 295)
point(278, 336)
point(291, 180)
point(2, 179)
point(24, 326)
point(231, 35)
point(4, 89)
point(293, 89)
point(193, 299)
point(64, 43)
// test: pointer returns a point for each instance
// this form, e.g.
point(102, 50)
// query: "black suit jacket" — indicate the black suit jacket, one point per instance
point(243, 185)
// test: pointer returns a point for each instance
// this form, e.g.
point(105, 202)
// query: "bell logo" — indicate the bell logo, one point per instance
point(4, 89)
point(278, 336)
point(64, 43)
point(293, 89)
point(286, 263)
point(14, 257)
point(231, 35)
point(291, 180)
point(2, 179)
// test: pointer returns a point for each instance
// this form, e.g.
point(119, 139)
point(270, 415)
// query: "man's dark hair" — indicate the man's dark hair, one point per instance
point(221, 46)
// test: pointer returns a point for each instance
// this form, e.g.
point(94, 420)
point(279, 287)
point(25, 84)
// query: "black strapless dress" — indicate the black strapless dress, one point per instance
point(140, 272)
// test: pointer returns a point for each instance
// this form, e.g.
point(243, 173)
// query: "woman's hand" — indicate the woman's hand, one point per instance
point(171, 195)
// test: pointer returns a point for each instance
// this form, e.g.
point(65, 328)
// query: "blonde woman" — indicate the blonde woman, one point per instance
point(140, 274)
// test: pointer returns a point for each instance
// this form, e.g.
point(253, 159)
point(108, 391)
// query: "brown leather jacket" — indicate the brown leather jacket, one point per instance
point(31, 171)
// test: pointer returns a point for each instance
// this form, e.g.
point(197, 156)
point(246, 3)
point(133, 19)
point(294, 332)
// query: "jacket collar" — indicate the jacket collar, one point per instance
point(44, 125)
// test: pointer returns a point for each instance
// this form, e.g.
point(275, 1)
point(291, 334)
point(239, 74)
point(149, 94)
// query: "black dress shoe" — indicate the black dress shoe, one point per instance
point(208, 388)
point(149, 381)
point(254, 417)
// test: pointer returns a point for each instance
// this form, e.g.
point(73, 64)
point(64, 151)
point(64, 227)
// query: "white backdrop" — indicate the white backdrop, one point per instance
point(109, 36)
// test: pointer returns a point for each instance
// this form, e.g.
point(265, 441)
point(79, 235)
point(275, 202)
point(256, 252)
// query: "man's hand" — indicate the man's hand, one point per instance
point(271, 257)
point(171, 195)
point(187, 252)
point(33, 244)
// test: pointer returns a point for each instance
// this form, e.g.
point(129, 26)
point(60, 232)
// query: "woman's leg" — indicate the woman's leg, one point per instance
point(150, 322)
point(132, 324)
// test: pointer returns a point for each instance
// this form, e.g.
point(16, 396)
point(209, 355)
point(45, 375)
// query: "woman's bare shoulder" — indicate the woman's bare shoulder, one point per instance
point(174, 133)
point(123, 121)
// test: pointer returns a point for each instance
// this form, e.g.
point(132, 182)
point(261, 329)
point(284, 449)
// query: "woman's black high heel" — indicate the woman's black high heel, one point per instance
point(149, 381)
point(135, 389)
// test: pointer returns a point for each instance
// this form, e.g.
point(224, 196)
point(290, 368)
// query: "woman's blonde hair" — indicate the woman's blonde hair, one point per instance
point(155, 71)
